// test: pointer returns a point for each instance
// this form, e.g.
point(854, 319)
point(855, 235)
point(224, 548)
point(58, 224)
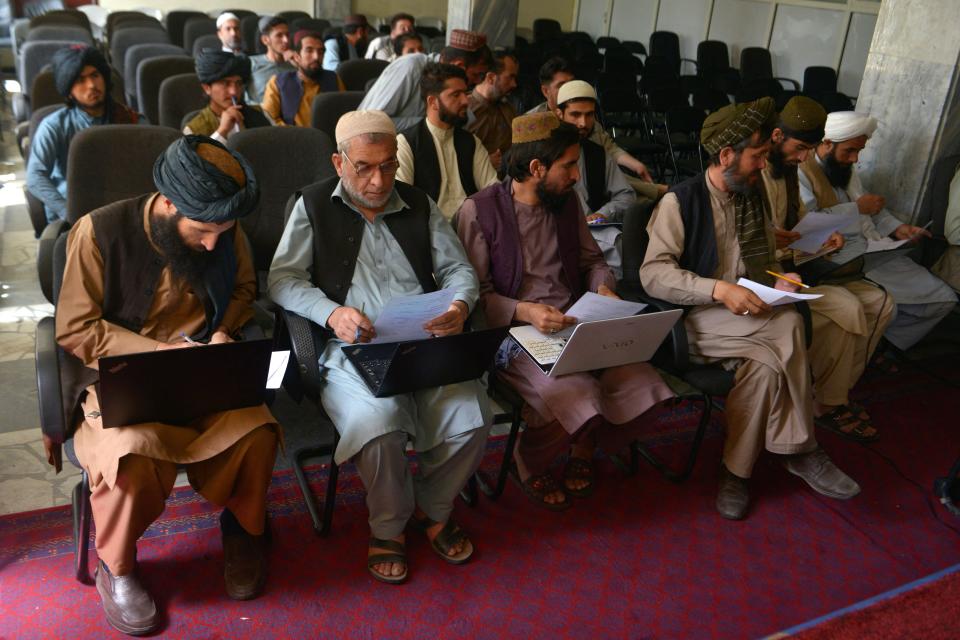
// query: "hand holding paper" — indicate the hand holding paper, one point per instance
point(775, 297)
point(816, 227)
point(404, 317)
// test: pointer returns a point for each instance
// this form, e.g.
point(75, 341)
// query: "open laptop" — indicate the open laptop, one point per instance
point(599, 344)
point(177, 386)
point(401, 367)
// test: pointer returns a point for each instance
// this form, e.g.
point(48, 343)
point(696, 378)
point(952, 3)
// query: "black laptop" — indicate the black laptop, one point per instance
point(391, 368)
point(177, 386)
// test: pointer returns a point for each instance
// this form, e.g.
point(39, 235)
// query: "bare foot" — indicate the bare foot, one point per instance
point(433, 530)
point(388, 569)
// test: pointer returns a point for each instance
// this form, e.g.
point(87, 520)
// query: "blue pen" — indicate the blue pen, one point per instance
point(188, 338)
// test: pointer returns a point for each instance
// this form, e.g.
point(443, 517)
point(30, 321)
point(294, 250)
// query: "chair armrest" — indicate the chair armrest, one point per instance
point(675, 356)
point(45, 247)
point(305, 339)
point(796, 85)
point(696, 67)
point(49, 393)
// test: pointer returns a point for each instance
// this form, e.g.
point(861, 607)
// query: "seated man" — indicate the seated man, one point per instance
point(948, 266)
point(397, 89)
point(223, 76)
point(828, 181)
point(350, 45)
point(82, 77)
point(852, 314)
point(184, 248)
point(604, 193)
point(408, 43)
point(555, 73)
point(228, 30)
point(288, 98)
point(377, 238)
point(438, 155)
point(528, 240)
point(492, 114)
point(275, 36)
point(705, 234)
point(382, 47)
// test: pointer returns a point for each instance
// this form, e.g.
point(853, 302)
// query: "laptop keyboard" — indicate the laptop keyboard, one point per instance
point(376, 369)
point(547, 350)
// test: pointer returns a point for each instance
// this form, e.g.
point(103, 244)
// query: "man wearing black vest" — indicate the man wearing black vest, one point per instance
point(705, 234)
point(288, 98)
point(605, 194)
point(437, 154)
point(162, 271)
point(350, 245)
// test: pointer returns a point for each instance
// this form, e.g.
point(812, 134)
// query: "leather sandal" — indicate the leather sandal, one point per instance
point(578, 469)
point(449, 536)
point(397, 555)
point(538, 487)
point(844, 422)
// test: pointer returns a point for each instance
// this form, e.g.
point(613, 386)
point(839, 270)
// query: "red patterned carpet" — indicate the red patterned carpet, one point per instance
point(643, 558)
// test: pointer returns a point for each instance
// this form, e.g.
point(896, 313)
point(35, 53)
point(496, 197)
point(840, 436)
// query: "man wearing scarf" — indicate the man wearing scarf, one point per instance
point(82, 77)
point(828, 181)
point(527, 238)
point(705, 234)
point(850, 318)
point(140, 274)
point(223, 76)
point(288, 98)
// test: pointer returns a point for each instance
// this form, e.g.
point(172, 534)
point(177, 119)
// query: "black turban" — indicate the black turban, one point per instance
point(216, 64)
point(70, 61)
point(206, 181)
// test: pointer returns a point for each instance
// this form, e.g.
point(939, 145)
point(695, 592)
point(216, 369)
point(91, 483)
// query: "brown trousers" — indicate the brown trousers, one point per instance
point(236, 478)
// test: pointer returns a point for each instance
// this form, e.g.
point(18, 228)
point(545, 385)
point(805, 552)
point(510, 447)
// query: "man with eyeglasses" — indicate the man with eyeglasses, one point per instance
point(351, 244)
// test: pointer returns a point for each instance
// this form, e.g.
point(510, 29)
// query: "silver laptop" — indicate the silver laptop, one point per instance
point(599, 344)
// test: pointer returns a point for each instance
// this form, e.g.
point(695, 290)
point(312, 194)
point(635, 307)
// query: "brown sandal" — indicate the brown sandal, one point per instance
point(539, 487)
point(844, 422)
point(578, 469)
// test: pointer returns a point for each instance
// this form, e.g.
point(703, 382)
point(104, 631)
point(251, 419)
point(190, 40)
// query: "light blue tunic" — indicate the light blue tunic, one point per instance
point(397, 90)
point(429, 416)
point(332, 56)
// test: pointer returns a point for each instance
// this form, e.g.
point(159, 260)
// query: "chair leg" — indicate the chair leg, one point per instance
point(494, 492)
point(469, 493)
point(320, 524)
point(81, 529)
point(668, 473)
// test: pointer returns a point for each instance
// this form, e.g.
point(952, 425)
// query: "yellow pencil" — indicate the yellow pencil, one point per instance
point(790, 280)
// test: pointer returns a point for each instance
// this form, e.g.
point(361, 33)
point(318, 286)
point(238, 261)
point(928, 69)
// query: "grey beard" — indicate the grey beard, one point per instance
point(736, 183)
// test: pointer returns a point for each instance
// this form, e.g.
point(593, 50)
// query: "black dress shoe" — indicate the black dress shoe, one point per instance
point(244, 559)
point(127, 604)
point(733, 498)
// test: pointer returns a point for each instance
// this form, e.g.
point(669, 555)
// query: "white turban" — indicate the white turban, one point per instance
point(845, 125)
point(224, 17)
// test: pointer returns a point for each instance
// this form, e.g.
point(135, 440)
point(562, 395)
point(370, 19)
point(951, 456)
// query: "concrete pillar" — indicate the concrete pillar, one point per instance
point(496, 18)
point(327, 9)
point(910, 86)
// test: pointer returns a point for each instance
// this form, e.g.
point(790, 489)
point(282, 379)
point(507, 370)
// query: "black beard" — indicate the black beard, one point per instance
point(553, 201)
point(838, 175)
point(738, 184)
point(315, 74)
point(451, 118)
point(187, 265)
point(777, 163)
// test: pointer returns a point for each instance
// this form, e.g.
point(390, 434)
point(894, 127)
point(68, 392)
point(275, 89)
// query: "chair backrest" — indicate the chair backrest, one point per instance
point(36, 117)
point(61, 32)
point(135, 22)
point(209, 41)
point(546, 29)
point(710, 99)
point(755, 64)
point(123, 39)
point(43, 91)
point(150, 75)
point(137, 54)
point(328, 107)
point(240, 13)
point(835, 101)
point(180, 95)
point(684, 119)
point(659, 73)
point(355, 73)
point(616, 58)
point(195, 27)
point(175, 20)
point(607, 41)
point(311, 24)
point(250, 32)
point(712, 57)
point(285, 160)
point(290, 16)
point(666, 44)
point(34, 56)
point(33, 8)
point(115, 17)
point(634, 47)
point(634, 243)
point(62, 17)
point(185, 120)
point(760, 88)
point(112, 162)
point(819, 80)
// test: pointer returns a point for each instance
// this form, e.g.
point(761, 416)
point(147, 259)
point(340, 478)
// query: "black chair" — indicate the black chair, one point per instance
point(836, 101)
point(545, 29)
point(132, 22)
point(62, 17)
point(208, 41)
point(116, 17)
point(290, 16)
point(713, 66)
point(709, 100)
point(658, 73)
point(818, 80)
point(682, 128)
point(634, 47)
point(59, 32)
point(175, 21)
point(356, 73)
point(124, 39)
point(38, 216)
point(195, 27)
point(250, 32)
point(180, 96)
point(150, 75)
point(310, 24)
point(34, 56)
point(756, 64)
point(666, 44)
point(763, 88)
point(137, 54)
point(619, 60)
point(604, 42)
point(328, 107)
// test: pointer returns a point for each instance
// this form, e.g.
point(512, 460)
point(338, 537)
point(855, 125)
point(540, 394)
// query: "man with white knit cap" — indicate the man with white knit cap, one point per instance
point(228, 30)
point(829, 182)
point(351, 244)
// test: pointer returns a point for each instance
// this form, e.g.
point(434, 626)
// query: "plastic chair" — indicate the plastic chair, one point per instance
point(195, 27)
point(150, 75)
point(250, 32)
point(328, 107)
point(176, 20)
point(713, 65)
point(356, 73)
point(60, 32)
point(756, 64)
point(208, 41)
point(124, 39)
point(180, 96)
point(545, 29)
point(137, 54)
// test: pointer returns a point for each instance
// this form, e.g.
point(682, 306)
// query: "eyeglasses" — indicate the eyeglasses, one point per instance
point(365, 171)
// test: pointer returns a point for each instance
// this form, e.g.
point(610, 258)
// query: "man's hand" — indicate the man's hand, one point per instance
point(910, 232)
point(350, 325)
point(54, 453)
point(643, 173)
point(183, 344)
point(784, 237)
point(629, 162)
point(450, 323)
point(220, 337)
point(289, 55)
point(543, 317)
point(783, 285)
point(739, 300)
point(496, 158)
point(834, 242)
point(604, 290)
point(232, 115)
point(596, 217)
point(870, 204)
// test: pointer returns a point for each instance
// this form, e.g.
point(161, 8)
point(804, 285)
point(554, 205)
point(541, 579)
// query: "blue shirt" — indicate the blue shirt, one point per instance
point(332, 56)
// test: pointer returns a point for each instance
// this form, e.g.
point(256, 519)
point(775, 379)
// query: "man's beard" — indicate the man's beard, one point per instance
point(313, 73)
point(778, 162)
point(452, 118)
point(838, 175)
point(187, 265)
point(359, 199)
point(235, 43)
point(552, 199)
point(737, 183)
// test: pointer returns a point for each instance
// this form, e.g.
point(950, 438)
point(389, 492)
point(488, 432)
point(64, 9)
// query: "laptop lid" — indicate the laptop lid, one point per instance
point(610, 343)
point(178, 386)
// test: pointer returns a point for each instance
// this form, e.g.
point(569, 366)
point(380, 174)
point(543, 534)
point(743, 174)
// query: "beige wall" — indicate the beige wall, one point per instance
point(560, 10)
point(208, 5)
point(386, 8)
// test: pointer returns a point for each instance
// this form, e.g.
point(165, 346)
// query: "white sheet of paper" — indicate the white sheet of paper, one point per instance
point(775, 297)
point(884, 244)
point(278, 365)
point(403, 317)
point(816, 227)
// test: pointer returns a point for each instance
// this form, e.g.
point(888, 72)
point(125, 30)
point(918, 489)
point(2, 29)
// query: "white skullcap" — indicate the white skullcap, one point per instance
point(223, 17)
point(845, 125)
point(357, 123)
point(576, 90)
